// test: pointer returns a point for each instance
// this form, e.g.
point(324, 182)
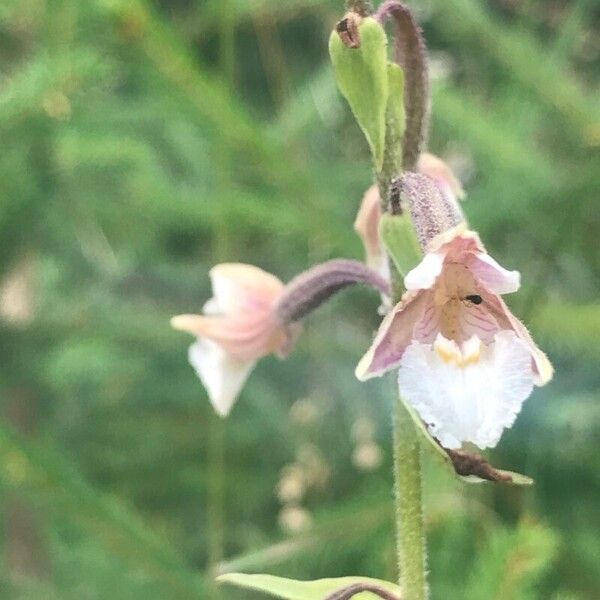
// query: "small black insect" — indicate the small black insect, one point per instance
point(474, 298)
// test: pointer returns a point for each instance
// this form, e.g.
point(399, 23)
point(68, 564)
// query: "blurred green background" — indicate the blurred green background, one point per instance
point(144, 141)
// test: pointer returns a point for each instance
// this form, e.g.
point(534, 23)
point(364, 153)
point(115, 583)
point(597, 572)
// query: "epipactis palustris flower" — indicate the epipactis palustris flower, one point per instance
point(465, 362)
point(238, 326)
point(253, 314)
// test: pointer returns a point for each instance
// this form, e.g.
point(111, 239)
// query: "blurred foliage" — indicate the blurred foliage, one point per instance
point(144, 141)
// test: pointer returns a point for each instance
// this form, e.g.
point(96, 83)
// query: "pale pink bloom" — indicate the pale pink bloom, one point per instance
point(366, 226)
point(434, 167)
point(466, 364)
point(367, 220)
point(238, 326)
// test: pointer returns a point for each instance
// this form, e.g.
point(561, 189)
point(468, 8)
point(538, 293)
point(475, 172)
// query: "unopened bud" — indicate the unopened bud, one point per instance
point(358, 50)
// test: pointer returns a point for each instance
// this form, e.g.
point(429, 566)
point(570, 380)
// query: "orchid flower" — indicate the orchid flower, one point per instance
point(465, 362)
point(237, 328)
point(253, 314)
point(366, 224)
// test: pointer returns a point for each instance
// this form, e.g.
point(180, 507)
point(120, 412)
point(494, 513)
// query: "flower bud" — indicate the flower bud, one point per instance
point(359, 58)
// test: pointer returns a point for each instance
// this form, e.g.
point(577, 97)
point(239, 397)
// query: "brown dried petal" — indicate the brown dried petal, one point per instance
point(347, 29)
point(466, 464)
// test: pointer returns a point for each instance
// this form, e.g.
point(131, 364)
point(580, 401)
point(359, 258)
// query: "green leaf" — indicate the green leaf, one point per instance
point(291, 589)
point(362, 77)
point(399, 238)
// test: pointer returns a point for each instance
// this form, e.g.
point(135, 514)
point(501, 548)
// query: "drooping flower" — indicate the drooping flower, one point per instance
point(238, 326)
point(464, 361)
point(253, 314)
point(367, 220)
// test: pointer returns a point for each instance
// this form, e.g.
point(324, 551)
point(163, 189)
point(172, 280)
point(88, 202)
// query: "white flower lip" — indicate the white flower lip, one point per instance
point(468, 394)
point(222, 375)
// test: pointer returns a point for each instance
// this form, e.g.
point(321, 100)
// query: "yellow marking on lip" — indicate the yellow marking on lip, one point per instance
point(448, 356)
point(470, 359)
point(451, 356)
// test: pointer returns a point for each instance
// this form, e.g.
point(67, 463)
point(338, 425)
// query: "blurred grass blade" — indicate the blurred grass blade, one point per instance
point(521, 55)
point(39, 472)
point(512, 562)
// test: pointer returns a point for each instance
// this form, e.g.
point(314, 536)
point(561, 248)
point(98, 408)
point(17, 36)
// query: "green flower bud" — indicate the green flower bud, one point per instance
point(362, 76)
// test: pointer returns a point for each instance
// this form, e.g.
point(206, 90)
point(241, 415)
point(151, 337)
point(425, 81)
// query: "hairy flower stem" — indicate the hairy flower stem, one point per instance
point(410, 531)
point(402, 154)
point(307, 291)
point(412, 554)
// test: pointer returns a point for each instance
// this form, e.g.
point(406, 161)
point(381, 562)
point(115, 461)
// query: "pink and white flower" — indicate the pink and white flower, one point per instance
point(238, 326)
point(465, 363)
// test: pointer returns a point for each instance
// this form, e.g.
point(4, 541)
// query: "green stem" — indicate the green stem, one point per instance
point(412, 554)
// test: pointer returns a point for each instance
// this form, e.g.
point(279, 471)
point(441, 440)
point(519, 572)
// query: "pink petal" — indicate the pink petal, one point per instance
point(541, 366)
point(428, 325)
point(457, 242)
point(246, 337)
point(476, 320)
point(366, 226)
point(460, 245)
point(395, 334)
point(441, 173)
point(238, 286)
point(495, 277)
point(453, 245)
